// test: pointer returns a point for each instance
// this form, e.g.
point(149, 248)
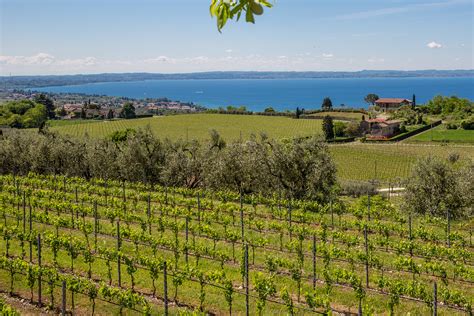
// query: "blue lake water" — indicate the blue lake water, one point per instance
point(281, 94)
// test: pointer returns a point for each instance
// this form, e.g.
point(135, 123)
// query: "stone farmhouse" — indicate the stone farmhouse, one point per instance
point(391, 104)
point(380, 128)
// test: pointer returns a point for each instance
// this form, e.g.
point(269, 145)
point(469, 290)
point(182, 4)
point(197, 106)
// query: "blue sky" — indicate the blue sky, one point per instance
point(94, 36)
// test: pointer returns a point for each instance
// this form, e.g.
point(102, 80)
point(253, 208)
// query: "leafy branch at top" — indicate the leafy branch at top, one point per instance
point(224, 10)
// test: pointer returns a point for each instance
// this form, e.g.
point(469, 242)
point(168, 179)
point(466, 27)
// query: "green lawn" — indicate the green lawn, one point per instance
point(441, 134)
point(198, 126)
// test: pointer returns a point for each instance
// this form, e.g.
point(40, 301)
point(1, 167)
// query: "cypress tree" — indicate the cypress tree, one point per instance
point(328, 127)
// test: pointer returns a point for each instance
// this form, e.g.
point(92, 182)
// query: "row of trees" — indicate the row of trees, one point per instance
point(441, 188)
point(23, 114)
point(333, 129)
point(299, 168)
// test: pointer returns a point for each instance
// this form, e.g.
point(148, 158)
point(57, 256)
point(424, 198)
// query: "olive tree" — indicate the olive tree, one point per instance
point(303, 168)
point(183, 165)
point(437, 188)
point(237, 167)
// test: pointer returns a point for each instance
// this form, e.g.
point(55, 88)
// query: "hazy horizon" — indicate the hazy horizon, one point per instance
point(233, 71)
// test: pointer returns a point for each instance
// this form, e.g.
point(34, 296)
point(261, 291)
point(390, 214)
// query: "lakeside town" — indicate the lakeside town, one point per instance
point(386, 119)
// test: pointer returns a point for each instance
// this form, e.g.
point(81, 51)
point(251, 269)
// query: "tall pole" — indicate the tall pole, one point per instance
point(242, 217)
point(366, 258)
point(63, 304)
point(314, 261)
point(119, 272)
point(165, 287)
point(448, 229)
point(247, 306)
point(39, 272)
point(368, 206)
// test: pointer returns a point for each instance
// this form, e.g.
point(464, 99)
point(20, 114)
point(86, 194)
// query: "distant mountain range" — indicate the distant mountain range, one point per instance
point(23, 82)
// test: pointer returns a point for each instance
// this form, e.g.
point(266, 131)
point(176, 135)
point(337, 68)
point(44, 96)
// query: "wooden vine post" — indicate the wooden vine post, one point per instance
point(289, 218)
point(410, 233)
point(242, 217)
point(246, 259)
point(39, 271)
point(96, 224)
point(435, 299)
point(199, 211)
point(448, 228)
point(123, 192)
point(368, 206)
point(63, 305)
point(165, 287)
point(332, 213)
point(366, 258)
point(119, 272)
point(72, 209)
point(105, 191)
point(24, 212)
point(187, 238)
point(314, 261)
point(149, 212)
point(31, 228)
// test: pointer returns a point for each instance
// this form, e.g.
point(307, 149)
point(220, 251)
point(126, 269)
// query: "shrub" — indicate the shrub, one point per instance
point(468, 124)
point(339, 128)
point(357, 189)
point(353, 129)
point(451, 126)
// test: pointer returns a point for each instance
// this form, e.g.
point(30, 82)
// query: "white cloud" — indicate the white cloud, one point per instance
point(159, 59)
point(328, 55)
point(44, 59)
point(87, 61)
point(228, 51)
point(38, 59)
point(434, 45)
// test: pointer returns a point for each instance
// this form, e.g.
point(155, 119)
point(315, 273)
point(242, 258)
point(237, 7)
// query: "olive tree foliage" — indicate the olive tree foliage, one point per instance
point(141, 157)
point(299, 168)
point(184, 164)
point(223, 10)
point(237, 167)
point(437, 188)
point(302, 168)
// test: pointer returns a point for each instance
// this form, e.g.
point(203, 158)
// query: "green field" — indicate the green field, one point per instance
point(79, 223)
point(355, 161)
point(387, 162)
point(441, 134)
point(198, 126)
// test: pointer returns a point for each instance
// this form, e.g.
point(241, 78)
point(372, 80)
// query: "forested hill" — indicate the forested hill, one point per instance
point(21, 82)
